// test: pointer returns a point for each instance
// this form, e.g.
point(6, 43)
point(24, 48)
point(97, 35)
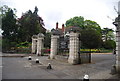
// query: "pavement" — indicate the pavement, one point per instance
point(22, 68)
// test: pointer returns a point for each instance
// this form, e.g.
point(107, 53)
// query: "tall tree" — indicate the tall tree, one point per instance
point(108, 34)
point(90, 31)
point(9, 27)
point(109, 44)
point(76, 21)
point(30, 24)
point(79, 21)
point(108, 38)
point(47, 40)
point(92, 25)
point(91, 38)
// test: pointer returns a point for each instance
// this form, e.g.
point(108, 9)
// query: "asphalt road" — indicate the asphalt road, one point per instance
point(21, 68)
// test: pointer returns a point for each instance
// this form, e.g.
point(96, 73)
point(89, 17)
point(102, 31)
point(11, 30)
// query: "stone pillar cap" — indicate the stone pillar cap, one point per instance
point(34, 36)
point(40, 35)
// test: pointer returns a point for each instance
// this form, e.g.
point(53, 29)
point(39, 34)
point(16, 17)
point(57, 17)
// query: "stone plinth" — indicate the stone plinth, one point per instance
point(54, 46)
point(74, 48)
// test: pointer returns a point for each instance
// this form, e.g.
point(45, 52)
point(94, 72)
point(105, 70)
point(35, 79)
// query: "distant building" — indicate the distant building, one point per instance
point(64, 31)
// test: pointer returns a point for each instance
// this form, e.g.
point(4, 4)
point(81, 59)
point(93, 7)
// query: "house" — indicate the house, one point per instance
point(64, 31)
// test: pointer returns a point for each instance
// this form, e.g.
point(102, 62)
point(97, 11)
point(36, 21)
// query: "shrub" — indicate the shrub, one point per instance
point(23, 50)
point(109, 44)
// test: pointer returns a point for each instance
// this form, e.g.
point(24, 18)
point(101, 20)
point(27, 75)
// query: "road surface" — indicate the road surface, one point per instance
point(22, 68)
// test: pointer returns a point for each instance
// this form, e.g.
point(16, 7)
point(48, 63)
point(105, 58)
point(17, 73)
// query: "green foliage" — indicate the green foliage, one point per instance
point(9, 28)
point(109, 44)
point(23, 47)
point(96, 50)
point(76, 21)
point(30, 24)
point(92, 25)
point(3, 10)
point(108, 37)
point(90, 31)
point(47, 40)
point(108, 34)
point(5, 45)
point(23, 44)
point(83, 24)
point(90, 38)
point(18, 32)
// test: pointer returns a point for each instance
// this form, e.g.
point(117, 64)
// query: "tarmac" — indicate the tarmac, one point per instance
point(61, 69)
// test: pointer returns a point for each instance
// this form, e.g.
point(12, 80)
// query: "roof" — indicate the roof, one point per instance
point(57, 32)
point(72, 28)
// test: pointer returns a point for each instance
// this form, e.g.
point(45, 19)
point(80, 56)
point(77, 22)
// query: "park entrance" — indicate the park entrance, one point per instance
point(63, 45)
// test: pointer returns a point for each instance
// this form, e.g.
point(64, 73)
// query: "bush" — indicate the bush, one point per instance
point(109, 44)
point(23, 44)
point(23, 47)
point(7, 45)
point(23, 50)
point(102, 50)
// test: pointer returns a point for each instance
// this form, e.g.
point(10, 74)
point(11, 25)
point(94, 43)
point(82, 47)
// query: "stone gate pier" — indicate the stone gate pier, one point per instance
point(40, 43)
point(118, 49)
point(74, 49)
point(37, 43)
point(34, 44)
point(117, 24)
point(54, 46)
point(118, 44)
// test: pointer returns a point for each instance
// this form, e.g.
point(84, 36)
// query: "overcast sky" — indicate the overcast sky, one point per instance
point(53, 11)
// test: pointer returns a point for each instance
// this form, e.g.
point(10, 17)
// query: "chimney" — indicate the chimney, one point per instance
point(63, 27)
point(57, 25)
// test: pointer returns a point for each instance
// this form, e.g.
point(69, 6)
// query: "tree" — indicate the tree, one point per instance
point(90, 38)
point(92, 25)
point(30, 24)
point(76, 21)
point(108, 34)
point(83, 24)
point(90, 31)
point(47, 40)
point(9, 28)
point(108, 38)
point(109, 44)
